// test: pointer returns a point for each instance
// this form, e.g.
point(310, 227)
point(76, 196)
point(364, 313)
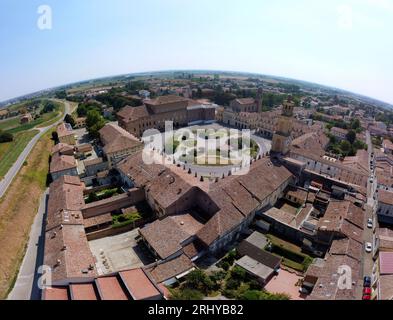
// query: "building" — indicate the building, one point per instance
point(154, 113)
point(248, 104)
point(62, 165)
point(339, 133)
point(118, 143)
point(387, 146)
point(66, 250)
point(80, 122)
point(132, 284)
point(63, 149)
point(282, 137)
point(201, 217)
point(26, 118)
point(385, 206)
point(65, 134)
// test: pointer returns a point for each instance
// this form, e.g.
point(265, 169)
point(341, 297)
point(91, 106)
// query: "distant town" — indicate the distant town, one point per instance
point(263, 188)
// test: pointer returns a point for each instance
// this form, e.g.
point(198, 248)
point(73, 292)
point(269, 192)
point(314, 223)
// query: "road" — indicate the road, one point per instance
point(9, 177)
point(25, 287)
point(370, 209)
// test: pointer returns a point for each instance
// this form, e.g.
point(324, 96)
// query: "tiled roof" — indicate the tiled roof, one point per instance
point(386, 262)
point(62, 162)
point(385, 197)
point(139, 285)
point(109, 288)
point(129, 114)
point(175, 230)
point(83, 291)
point(64, 129)
point(62, 148)
point(117, 139)
point(171, 269)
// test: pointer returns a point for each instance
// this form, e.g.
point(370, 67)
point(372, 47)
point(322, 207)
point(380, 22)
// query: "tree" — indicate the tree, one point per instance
point(351, 136)
point(69, 119)
point(6, 137)
point(94, 123)
point(55, 136)
point(61, 94)
point(346, 147)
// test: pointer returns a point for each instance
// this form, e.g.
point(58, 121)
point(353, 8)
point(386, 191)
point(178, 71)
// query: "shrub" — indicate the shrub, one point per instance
point(232, 284)
point(186, 294)
point(6, 137)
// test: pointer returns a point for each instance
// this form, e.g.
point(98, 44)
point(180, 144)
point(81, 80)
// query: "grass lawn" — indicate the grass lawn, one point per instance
point(9, 123)
point(292, 255)
point(18, 208)
point(10, 151)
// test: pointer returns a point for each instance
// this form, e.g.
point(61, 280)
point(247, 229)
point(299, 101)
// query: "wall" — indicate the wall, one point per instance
point(115, 203)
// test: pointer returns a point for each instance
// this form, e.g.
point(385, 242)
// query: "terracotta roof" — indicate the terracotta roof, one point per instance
point(65, 202)
point(129, 114)
point(109, 288)
point(139, 285)
point(347, 247)
point(62, 162)
point(386, 262)
point(171, 269)
point(161, 100)
point(83, 291)
point(175, 229)
point(55, 293)
point(385, 197)
point(68, 254)
point(117, 139)
point(62, 148)
point(344, 217)
point(97, 220)
point(64, 129)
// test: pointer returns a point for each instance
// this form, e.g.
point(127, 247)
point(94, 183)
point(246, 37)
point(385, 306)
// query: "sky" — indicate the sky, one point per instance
point(346, 44)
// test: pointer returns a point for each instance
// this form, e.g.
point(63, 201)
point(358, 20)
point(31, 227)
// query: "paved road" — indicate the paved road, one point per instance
point(25, 287)
point(370, 209)
point(9, 177)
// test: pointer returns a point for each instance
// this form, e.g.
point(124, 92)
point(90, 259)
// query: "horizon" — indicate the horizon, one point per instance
point(190, 71)
point(342, 45)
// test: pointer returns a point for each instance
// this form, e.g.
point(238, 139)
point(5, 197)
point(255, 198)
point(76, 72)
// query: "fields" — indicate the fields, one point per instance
point(18, 208)
point(10, 151)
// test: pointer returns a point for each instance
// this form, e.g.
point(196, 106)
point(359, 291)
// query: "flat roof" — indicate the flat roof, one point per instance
point(254, 267)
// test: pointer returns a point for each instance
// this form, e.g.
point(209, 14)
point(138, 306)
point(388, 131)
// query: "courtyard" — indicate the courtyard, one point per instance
point(120, 252)
point(287, 283)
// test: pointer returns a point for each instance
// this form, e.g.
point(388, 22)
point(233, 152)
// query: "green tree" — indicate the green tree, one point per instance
point(351, 136)
point(345, 147)
point(6, 137)
point(94, 123)
point(69, 119)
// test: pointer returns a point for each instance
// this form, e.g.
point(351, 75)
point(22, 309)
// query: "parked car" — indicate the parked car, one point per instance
point(367, 291)
point(367, 282)
point(370, 223)
point(366, 297)
point(368, 247)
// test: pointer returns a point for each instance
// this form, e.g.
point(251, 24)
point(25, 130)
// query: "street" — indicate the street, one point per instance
point(370, 210)
point(9, 177)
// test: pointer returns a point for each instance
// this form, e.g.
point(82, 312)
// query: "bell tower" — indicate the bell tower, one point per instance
point(282, 137)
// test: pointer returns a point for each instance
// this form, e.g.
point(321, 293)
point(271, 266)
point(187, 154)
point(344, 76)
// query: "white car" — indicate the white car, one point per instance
point(368, 247)
point(370, 223)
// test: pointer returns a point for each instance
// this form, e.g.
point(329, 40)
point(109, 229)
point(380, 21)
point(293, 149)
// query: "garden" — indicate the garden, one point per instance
point(230, 281)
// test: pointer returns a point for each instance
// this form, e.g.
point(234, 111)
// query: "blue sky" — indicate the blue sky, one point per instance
point(346, 44)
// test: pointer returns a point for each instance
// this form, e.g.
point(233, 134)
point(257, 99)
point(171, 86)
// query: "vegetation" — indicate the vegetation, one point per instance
point(103, 194)
point(122, 220)
point(70, 120)
point(94, 123)
point(10, 151)
point(6, 137)
point(292, 256)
